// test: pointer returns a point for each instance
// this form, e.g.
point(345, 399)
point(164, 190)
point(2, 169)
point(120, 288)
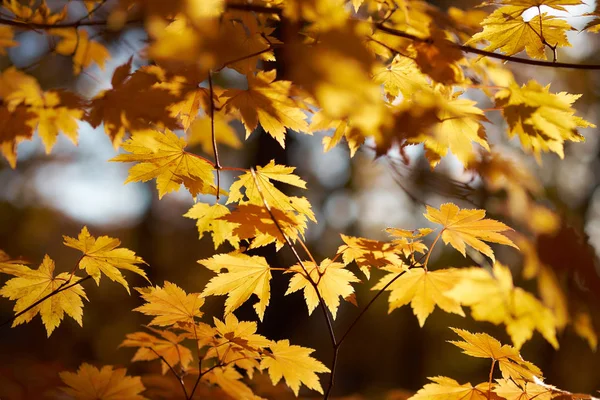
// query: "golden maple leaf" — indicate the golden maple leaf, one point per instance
point(230, 381)
point(332, 280)
point(527, 4)
point(31, 285)
point(208, 219)
point(162, 156)
point(494, 298)
point(170, 304)
point(468, 227)
point(449, 389)
point(368, 253)
point(510, 361)
point(246, 275)
point(422, 289)
point(522, 390)
point(200, 133)
point(102, 384)
point(507, 31)
point(101, 256)
point(267, 102)
point(77, 43)
point(167, 348)
point(294, 364)
point(401, 76)
point(342, 128)
point(542, 120)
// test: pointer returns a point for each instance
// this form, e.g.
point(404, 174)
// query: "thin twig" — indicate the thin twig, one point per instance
point(179, 378)
point(489, 391)
point(62, 287)
point(212, 132)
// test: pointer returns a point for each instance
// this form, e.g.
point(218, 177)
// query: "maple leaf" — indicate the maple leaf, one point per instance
point(91, 383)
point(200, 133)
point(468, 227)
point(510, 361)
point(527, 4)
point(422, 289)
point(153, 347)
point(101, 256)
point(208, 219)
point(170, 304)
point(542, 120)
point(77, 43)
point(507, 31)
point(295, 365)
point(10, 266)
point(444, 388)
point(341, 129)
point(439, 57)
point(162, 156)
point(229, 380)
point(136, 102)
point(246, 275)
point(31, 285)
point(267, 102)
point(494, 298)
point(511, 390)
point(368, 253)
point(332, 280)
point(401, 76)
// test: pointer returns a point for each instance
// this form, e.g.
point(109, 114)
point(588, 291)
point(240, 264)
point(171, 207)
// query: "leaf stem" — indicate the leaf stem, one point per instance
point(212, 133)
point(431, 249)
point(175, 374)
point(489, 392)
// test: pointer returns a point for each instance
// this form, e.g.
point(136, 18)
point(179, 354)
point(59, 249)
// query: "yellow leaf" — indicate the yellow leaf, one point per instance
point(6, 39)
point(468, 227)
point(31, 285)
point(332, 279)
point(295, 365)
point(506, 30)
point(230, 381)
point(583, 326)
point(511, 390)
point(495, 299)
point(105, 384)
point(170, 304)
point(267, 102)
point(368, 253)
point(77, 43)
point(402, 76)
point(101, 256)
point(208, 220)
point(422, 289)
point(445, 388)
point(527, 4)
point(246, 275)
point(200, 133)
point(341, 129)
point(162, 156)
point(510, 361)
point(166, 346)
point(542, 120)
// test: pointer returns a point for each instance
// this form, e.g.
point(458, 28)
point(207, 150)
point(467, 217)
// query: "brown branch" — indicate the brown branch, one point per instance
point(62, 287)
point(179, 378)
point(75, 24)
point(289, 243)
point(212, 132)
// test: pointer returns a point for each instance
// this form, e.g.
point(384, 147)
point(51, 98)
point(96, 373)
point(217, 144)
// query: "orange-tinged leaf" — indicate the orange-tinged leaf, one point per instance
point(332, 279)
point(91, 383)
point(153, 347)
point(208, 219)
point(295, 365)
point(30, 285)
point(267, 102)
point(468, 227)
point(422, 289)
point(162, 156)
point(103, 256)
point(444, 388)
point(511, 390)
point(6, 39)
point(246, 275)
point(77, 43)
point(170, 304)
point(510, 361)
point(368, 253)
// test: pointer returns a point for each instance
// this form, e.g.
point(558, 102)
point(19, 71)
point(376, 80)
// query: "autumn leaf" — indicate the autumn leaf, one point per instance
point(230, 381)
point(6, 39)
point(246, 275)
point(368, 253)
point(31, 285)
point(162, 156)
point(494, 298)
point(102, 256)
point(507, 31)
point(268, 102)
point(91, 383)
point(295, 365)
point(208, 219)
point(200, 133)
point(510, 390)
point(542, 120)
point(170, 304)
point(166, 345)
point(76, 43)
point(401, 76)
point(468, 227)
point(341, 129)
point(444, 388)
point(332, 280)
point(422, 289)
point(510, 361)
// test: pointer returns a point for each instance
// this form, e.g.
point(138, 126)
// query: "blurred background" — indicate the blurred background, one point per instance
point(48, 196)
